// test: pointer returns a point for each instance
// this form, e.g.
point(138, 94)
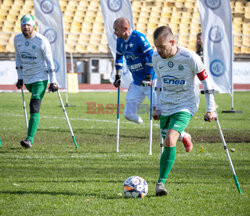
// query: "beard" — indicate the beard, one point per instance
point(27, 33)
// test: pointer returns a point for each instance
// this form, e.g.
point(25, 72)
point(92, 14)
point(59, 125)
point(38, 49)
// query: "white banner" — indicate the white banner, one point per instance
point(216, 23)
point(8, 74)
point(111, 10)
point(50, 24)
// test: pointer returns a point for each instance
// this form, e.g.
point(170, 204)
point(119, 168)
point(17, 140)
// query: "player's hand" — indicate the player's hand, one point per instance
point(19, 84)
point(210, 116)
point(53, 87)
point(147, 81)
point(117, 81)
point(156, 114)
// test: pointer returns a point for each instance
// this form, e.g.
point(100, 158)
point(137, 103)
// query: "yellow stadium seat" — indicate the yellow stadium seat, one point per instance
point(92, 48)
point(239, 7)
point(2, 48)
point(245, 50)
point(183, 40)
point(189, 5)
point(73, 39)
point(237, 28)
point(84, 38)
point(8, 2)
point(237, 20)
point(98, 27)
point(95, 38)
point(103, 48)
point(94, 5)
point(80, 48)
point(237, 50)
point(7, 28)
point(237, 40)
point(246, 40)
point(10, 47)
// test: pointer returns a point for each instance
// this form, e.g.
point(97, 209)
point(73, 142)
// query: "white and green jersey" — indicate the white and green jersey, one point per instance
point(177, 86)
point(34, 59)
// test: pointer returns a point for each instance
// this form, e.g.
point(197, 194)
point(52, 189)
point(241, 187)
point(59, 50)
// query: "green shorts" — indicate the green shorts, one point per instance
point(178, 121)
point(37, 89)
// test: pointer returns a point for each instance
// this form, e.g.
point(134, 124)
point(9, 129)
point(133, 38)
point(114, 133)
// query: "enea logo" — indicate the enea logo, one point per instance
point(171, 80)
point(26, 55)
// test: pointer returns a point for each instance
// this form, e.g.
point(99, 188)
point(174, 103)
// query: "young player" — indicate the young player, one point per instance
point(138, 53)
point(177, 95)
point(34, 62)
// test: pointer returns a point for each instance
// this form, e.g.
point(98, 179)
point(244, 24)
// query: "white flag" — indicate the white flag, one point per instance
point(216, 23)
point(50, 24)
point(111, 10)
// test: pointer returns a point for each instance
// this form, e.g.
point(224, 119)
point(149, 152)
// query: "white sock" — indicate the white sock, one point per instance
point(183, 134)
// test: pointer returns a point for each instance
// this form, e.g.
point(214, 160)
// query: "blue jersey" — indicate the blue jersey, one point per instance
point(138, 54)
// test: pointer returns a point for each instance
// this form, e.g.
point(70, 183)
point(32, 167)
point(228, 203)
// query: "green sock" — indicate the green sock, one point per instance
point(33, 125)
point(166, 163)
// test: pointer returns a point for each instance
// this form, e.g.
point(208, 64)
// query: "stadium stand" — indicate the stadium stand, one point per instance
point(84, 27)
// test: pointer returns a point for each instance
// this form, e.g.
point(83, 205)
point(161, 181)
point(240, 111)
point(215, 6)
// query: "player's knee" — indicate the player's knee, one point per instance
point(35, 105)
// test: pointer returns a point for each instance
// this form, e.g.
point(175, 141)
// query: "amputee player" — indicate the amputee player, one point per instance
point(34, 62)
point(138, 53)
point(177, 95)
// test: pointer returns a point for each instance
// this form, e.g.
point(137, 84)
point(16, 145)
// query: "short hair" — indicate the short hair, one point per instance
point(162, 31)
point(199, 34)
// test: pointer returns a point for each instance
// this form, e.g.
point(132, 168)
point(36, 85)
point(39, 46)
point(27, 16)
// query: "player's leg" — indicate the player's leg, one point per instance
point(37, 90)
point(187, 141)
point(174, 125)
point(134, 98)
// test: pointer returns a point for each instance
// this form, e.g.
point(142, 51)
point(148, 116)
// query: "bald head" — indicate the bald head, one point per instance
point(122, 28)
point(122, 21)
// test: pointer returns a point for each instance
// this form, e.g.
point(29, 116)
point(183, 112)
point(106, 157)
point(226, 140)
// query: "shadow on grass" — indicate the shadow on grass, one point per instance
point(95, 133)
point(56, 193)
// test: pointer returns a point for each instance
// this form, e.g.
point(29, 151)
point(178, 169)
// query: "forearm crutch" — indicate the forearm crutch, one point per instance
point(24, 109)
point(118, 120)
point(67, 118)
point(151, 120)
point(228, 155)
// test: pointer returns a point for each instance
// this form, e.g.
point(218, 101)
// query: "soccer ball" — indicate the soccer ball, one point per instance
point(135, 187)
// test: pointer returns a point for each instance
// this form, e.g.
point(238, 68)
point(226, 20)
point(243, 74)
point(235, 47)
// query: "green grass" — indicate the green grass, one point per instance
point(54, 178)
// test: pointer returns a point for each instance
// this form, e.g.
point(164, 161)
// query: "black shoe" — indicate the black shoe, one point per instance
point(26, 143)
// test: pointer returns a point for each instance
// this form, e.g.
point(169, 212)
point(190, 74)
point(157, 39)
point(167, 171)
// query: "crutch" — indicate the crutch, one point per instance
point(64, 110)
point(118, 120)
point(151, 120)
point(227, 152)
point(161, 143)
point(24, 109)
point(228, 155)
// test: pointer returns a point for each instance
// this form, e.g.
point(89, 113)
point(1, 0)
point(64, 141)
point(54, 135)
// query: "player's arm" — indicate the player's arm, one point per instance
point(157, 109)
point(208, 90)
point(19, 67)
point(118, 65)
point(47, 52)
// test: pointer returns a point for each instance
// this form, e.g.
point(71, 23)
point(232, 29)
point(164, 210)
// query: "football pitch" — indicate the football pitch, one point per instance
point(55, 178)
